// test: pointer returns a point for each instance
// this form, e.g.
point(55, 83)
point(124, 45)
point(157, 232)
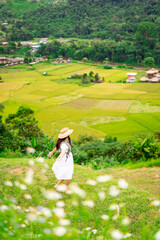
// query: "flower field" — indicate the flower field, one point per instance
point(98, 204)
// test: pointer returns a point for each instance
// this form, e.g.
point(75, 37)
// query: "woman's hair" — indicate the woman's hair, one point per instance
point(60, 140)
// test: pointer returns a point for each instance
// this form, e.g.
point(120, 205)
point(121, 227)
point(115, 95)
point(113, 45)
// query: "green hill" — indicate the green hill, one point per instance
point(78, 18)
point(34, 213)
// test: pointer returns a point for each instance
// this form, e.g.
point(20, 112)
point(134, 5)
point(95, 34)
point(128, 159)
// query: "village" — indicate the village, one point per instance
point(153, 76)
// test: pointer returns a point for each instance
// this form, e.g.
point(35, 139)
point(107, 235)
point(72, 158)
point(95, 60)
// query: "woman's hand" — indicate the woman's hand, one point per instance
point(50, 154)
point(59, 158)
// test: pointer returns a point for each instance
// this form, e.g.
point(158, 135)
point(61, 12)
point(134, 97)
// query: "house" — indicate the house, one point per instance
point(144, 79)
point(152, 72)
point(4, 24)
point(154, 80)
point(152, 76)
point(3, 60)
point(131, 77)
point(43, 40)
point(4, 43)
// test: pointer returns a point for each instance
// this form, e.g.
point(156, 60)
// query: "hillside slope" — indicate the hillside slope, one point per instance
point(144, 217)
point(78, 18)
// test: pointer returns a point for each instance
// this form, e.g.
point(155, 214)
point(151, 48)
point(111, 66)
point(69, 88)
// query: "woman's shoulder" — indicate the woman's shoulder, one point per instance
point(64, 145)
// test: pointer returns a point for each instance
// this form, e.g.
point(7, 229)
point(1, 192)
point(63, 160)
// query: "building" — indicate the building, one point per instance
point(152, 73)
point(131, 77)
point(153, 76)
point(4, 24)
point(43, 40)
point(3, 60)
point(144, 79)
point(154, 80)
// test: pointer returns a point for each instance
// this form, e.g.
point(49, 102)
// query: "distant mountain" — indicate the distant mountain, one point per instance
point(105, 19)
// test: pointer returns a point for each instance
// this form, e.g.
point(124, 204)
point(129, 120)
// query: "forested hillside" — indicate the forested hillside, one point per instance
point(105, 19)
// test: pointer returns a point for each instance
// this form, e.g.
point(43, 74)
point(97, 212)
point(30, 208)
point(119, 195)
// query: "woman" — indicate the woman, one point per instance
point(63, 167)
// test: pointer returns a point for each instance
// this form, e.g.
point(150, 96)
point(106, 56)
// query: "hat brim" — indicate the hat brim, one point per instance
point(65, 134)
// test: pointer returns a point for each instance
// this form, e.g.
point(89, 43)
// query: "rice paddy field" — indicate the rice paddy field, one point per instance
point(117, 109)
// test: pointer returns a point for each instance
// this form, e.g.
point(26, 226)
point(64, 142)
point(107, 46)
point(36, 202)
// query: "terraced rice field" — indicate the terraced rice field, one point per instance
point(116, 109)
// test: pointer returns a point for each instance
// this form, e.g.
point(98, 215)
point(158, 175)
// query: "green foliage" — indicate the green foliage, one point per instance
point(149, 62)
point(85, 59)
point(107, 66)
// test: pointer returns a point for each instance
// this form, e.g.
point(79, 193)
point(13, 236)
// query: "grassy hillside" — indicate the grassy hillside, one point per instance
point(142, 190)
point(116, 109)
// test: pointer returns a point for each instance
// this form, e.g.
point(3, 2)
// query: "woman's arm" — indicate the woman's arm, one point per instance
point(50, 153)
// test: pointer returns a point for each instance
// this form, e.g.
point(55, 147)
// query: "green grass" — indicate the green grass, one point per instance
point(144, 218)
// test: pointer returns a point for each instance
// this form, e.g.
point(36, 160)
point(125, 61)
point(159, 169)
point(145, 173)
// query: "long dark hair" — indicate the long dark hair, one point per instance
point(60, 140)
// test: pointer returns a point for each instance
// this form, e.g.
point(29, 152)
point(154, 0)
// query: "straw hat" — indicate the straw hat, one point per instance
point(64, 132)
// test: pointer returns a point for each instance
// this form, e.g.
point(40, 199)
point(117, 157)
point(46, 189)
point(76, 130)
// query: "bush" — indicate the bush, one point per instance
point(107, 66)
point(149, 62)
point(85, 59)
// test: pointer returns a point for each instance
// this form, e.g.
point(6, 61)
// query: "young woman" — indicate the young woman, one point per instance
point(63, 167)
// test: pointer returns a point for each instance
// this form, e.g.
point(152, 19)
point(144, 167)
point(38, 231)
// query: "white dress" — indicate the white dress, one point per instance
point(64, 168)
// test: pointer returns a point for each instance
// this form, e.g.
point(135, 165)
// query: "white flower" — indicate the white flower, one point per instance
point(113, 207)
point(157, 235)
point(91, 182)
point(116, 234)
point(40, 159)
point(126, 235)
point(94, 231)
point(59, 212)
point(61, 188)
point(47, 230)
point(46, 212)
point(8, 183)
point(114, 191)
point(122, 184)
point(30, 150)
point(125, 221)
point(155, 203)
point(31, 216)
point(88, 228)
point(60, 204)
point(88, 203)
point(29, 176)
point(52, 195)
point(17, 183)
point(31, 162)
point(64, 222)
point(105, 217)
point(101, 195)
point(27, 196)
point(115, 217)
point(41, 219)
point(74, 188)
point(23, 225)
point(59, 231)
point(3, 208)
point(22, 186)
point(104, 178)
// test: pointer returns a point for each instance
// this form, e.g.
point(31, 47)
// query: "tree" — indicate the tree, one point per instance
point(146, 34)
point(26, 60)
point(96, 77)
point(149, 62)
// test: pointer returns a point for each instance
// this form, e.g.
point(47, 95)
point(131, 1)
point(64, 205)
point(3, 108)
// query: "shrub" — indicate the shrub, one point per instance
point(85, 59)
point(149, 62)
point(107, 66)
